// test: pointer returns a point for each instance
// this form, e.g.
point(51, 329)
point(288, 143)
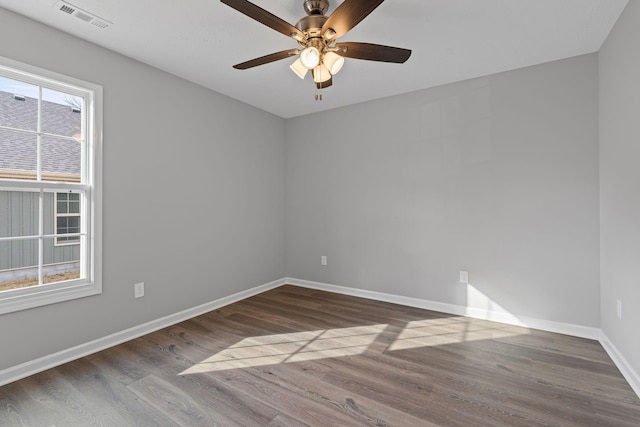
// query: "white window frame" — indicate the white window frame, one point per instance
point(56, 215)
point(90, 187)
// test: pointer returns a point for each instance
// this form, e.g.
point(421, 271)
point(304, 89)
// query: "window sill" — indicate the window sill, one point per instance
point(26, 298)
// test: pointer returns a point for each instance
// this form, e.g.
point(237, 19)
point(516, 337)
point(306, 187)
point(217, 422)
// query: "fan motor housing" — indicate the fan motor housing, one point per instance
point(316, 7)
point(312, 25)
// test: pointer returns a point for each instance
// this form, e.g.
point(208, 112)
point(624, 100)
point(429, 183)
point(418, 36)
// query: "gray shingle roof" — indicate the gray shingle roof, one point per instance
point(18, 149)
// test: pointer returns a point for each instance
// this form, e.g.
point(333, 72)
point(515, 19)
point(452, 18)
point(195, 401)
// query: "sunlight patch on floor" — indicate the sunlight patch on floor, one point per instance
point(352, 341)
point(450, 330)
point(293, 347)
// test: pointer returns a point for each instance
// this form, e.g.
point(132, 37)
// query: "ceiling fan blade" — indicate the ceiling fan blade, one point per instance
point(373, 52)
point(266, 59)
point(348, 15)
point(264, 17)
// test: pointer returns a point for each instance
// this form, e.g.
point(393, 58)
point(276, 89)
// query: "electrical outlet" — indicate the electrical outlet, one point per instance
point(464, 276)
point(619, 309)
point(323, 260)
point(138, 290)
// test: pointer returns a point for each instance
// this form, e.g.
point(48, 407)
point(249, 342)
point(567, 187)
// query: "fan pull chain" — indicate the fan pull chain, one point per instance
point(318, 94)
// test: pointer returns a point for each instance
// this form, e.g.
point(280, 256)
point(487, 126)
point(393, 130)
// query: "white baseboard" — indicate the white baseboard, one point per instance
point(41, 364)
point(477, 313)
point(625, 368)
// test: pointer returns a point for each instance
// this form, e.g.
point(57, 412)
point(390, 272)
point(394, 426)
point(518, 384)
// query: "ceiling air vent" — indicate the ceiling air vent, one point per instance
point(87, 17)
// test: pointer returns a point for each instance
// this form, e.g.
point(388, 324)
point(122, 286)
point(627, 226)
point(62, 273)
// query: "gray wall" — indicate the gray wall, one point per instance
point(619, 73)
point(193, 195)
point(497, 176)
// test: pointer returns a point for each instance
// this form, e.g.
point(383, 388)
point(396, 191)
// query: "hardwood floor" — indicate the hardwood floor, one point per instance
point(299, 357)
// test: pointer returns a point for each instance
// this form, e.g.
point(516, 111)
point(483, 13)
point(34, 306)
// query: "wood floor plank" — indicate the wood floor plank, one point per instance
point(559, 398)
point(360, 408)
point(287, 399)
point(53, 399)
point(170, 358)
point(283, 420)
point(176, 404)
point(295, 356)
point(96, 387)
point(16, 405)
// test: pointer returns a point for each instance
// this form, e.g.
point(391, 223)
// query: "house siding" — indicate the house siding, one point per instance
point(19, 217)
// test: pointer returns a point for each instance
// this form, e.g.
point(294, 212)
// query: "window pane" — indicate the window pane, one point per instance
point(18, 213)
point(59, 260)
point(18, 264)
point(61, 113)
point(18, 104)
point(62, 225)
point(73, 224)
point(68, 216)
point(18, 158)
point(60, 159)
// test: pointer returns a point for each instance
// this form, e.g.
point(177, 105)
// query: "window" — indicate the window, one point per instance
point(67, 218)
point(50, 187)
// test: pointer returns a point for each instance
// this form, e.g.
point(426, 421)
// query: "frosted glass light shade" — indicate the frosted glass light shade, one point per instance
point(321, 74)
point(298, 68)
point(334, 62)
point(310, 57)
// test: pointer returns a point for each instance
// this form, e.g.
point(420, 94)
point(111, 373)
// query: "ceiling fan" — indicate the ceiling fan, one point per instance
point(317, 36)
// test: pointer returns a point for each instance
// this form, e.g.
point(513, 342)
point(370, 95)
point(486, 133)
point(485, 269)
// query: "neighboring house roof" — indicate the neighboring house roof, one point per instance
point(59, 157)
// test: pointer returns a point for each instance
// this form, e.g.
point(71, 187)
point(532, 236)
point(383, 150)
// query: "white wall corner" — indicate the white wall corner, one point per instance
point(625, 367)
point(32, 367)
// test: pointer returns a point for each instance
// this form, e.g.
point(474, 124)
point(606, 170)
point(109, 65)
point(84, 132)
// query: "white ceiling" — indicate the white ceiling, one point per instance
point(451, 40)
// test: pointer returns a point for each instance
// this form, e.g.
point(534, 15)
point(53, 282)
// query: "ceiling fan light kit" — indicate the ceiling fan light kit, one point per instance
point(321, 74)
point(317, 36)
point(310, 57)
point(333, 61)
point(299, 69)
